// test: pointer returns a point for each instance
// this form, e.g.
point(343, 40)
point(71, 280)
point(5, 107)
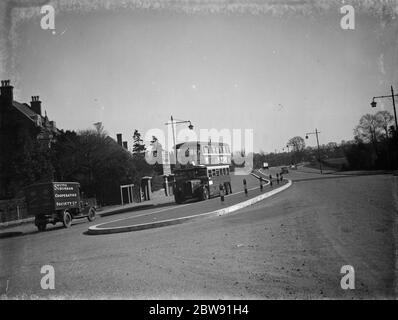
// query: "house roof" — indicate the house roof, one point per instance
point(24, 109)
point(33, 116)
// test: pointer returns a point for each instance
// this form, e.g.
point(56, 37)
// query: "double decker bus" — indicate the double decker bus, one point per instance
point(205, 172)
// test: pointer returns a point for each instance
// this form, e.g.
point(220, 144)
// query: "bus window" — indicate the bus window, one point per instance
point(227, 170)
point(209, 173)
point(217, 172)
point(213, 172)
point(223, 171)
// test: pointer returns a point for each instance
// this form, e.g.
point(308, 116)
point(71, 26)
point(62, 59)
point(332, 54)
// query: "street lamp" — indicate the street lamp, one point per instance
point(175, 122)
point(373, 104)
point(288, 153)
point(317, 142)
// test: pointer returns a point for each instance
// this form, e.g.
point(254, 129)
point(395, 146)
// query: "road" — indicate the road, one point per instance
point(291, 245)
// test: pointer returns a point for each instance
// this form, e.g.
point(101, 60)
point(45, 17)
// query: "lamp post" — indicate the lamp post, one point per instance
point(373, 104)
point(175, 122)
point(288, 152)
point(317, 142)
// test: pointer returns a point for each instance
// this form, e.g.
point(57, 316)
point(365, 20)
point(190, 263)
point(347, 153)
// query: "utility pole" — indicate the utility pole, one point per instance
point(174, 138)
point(395, 111)
point(319, 150)
point(373, 104)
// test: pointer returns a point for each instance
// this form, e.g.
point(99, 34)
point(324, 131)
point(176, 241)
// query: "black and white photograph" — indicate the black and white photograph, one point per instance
point(224, 151)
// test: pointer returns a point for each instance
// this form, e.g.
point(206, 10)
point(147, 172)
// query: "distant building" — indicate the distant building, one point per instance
point(19, 124)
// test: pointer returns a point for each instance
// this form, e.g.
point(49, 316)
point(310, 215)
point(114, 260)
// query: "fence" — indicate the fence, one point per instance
point(11, 210)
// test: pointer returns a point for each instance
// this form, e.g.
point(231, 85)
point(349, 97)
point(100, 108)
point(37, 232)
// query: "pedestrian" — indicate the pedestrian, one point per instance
point(245, 186)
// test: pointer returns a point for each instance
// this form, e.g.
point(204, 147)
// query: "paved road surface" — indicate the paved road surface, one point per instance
point(291, 245)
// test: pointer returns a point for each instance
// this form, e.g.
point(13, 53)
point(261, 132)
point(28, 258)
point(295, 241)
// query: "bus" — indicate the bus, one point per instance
point(206, 172)
point(203, 153)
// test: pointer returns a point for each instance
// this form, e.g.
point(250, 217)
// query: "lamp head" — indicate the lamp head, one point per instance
point(306, 136)
point(373, 103)
point(190, 126)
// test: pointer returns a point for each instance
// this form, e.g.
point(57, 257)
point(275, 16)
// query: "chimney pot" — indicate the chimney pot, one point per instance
point(119, 139)
point(35, 104)
point(6, 92)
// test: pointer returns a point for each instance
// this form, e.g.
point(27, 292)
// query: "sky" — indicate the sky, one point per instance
point(281, 76)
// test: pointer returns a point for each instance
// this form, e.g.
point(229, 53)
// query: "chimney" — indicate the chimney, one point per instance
point(35, 104)
point(119, 139)
point(125, 145)
point(6, 91)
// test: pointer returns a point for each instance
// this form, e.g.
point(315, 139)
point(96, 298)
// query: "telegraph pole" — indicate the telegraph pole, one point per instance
point(319, 150)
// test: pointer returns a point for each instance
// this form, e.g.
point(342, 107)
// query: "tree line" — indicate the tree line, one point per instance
point(89, 157)
point(374, 146)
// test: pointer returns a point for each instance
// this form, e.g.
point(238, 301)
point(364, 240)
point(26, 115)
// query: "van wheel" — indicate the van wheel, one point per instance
point(67, 219)
point(41, 226)
point(91, 214)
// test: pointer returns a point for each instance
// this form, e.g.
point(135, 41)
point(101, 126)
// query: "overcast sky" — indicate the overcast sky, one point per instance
point(280, 76)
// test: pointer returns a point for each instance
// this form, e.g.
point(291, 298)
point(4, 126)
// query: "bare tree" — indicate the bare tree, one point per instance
point(384, 120)
point(368, 129)
point(298, 145)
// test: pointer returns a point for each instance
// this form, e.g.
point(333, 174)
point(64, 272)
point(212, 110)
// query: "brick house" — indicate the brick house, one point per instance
point(20, 123)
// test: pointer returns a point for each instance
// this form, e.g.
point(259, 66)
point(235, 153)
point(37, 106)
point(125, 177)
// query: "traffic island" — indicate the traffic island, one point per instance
point(179, 215)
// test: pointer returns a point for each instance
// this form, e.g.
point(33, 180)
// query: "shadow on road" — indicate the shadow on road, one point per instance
point(136, 208)
point(339, 175)
point(12, 234)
